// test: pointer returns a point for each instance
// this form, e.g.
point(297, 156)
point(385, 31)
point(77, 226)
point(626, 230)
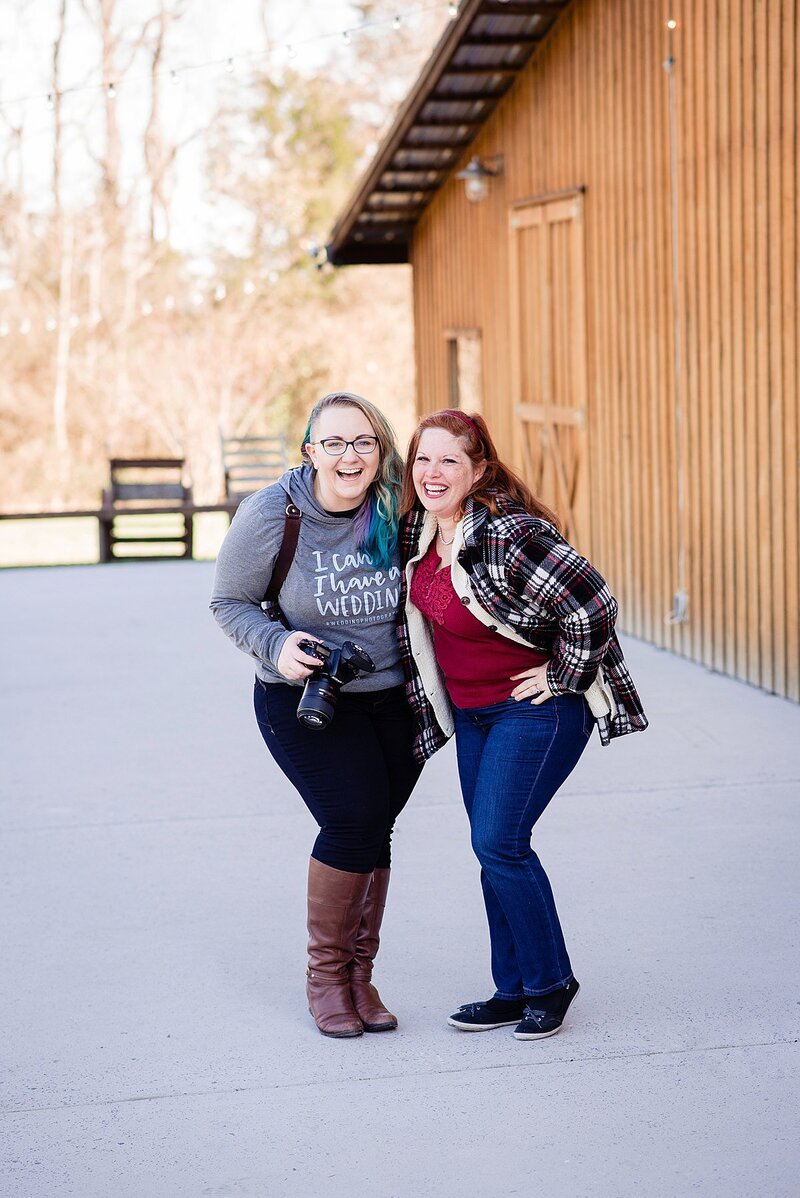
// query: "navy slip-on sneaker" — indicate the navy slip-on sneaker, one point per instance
point(484, 1016)
point(538, 1024)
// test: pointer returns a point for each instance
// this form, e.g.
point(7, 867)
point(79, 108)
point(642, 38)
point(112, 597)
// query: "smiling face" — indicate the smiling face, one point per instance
point(443, 473)
point(341, 482)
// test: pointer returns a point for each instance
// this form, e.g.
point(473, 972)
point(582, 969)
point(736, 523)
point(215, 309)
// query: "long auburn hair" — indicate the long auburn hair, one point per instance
point(497, 478)
point(377, 522)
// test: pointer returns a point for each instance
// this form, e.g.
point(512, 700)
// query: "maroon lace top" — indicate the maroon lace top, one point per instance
point(477, 664)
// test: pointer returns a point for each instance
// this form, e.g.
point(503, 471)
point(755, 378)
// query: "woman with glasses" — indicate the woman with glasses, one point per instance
point(355, 774)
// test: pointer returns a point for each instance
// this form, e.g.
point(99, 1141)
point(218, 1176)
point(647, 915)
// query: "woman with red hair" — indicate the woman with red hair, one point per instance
point(508, 640)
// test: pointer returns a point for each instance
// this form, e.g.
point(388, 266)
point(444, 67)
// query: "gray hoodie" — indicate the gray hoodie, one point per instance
point(332, 590)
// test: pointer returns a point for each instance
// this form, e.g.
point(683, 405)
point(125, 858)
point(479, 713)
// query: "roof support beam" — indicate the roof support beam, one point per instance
point(402, 188)
point(480, 41)
point(472, 96)
point(506, 8)
point(501, 69)
point(435, 145)
point(411, 208)
point(455, 122)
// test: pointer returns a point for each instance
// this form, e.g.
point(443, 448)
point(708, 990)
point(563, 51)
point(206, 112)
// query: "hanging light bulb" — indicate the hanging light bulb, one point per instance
point(169, 303)
point(111, 91)
point(229, 66)
point(50, 324)
point(290, 51)
point(397, 22)
point(173, 75)
point(346, 37)
point(220, 291)
point(452, 10)
point(249, 287)
point(147, 309)
point(50, 101)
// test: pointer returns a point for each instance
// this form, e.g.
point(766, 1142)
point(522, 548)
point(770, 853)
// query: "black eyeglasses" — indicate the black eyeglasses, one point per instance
point(336, 446)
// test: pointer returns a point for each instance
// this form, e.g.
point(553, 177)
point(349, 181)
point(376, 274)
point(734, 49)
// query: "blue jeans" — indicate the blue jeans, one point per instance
point(512, 758)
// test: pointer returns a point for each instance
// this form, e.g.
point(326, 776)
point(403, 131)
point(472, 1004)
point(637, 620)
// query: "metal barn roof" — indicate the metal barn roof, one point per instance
point(475, 63)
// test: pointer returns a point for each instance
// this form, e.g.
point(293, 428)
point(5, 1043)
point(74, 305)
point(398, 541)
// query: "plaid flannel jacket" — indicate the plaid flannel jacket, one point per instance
point(528, 578)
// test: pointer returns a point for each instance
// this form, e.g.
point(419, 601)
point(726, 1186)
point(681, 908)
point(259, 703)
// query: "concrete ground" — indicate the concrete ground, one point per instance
point(152, 866)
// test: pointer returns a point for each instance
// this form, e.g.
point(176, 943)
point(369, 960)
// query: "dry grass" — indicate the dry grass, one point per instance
point(74, 541)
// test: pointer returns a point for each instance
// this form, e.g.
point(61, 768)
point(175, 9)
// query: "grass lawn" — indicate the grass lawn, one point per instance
point(75, 541)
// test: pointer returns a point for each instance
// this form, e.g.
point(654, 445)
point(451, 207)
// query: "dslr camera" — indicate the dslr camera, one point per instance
point(336, 666)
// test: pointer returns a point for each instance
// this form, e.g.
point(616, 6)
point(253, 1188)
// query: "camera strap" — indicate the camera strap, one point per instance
point(291, 531)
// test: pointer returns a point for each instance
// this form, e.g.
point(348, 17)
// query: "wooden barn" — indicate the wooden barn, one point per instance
point(599, 202)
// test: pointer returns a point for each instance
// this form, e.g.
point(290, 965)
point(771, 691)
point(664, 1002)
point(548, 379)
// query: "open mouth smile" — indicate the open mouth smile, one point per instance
point(349, 475)
point(434, 490)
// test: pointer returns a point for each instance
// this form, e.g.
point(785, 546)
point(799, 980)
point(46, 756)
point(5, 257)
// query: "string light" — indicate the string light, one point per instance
point(228, 62)
point(193, 300)
point(672, 23)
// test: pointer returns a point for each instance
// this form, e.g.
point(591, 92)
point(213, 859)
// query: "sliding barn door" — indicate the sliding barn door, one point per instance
point(548, 355)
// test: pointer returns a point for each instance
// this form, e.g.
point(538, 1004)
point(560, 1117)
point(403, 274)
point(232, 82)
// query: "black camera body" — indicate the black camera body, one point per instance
point(336, 667)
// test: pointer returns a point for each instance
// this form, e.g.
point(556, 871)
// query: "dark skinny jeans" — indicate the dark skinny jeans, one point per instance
point(355, 776)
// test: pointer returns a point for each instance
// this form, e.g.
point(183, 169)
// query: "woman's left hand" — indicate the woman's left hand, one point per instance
point(534, 685)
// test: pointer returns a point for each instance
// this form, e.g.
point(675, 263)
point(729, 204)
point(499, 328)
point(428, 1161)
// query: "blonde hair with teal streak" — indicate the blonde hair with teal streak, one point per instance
point(377, 523)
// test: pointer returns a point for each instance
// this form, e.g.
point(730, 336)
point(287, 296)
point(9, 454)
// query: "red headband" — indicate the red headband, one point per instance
point(463, 416)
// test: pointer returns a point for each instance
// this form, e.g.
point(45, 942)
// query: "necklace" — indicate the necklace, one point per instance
point(441, 538)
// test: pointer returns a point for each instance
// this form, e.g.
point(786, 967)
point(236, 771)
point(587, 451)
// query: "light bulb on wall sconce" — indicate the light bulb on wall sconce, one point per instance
point(476, 175)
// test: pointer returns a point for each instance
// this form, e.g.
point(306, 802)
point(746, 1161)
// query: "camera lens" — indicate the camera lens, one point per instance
point(315, 709)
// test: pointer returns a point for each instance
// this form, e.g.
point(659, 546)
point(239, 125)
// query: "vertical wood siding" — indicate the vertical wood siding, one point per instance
point(691, 264)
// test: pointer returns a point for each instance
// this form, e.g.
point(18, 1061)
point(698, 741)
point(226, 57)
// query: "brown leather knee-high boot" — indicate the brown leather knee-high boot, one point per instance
point(366, 1000)
point(335, 905)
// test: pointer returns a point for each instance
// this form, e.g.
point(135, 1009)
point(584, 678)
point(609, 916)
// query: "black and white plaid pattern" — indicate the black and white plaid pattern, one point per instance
point(523, 572)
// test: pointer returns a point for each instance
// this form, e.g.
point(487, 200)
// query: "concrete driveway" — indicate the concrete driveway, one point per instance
point(152, 869)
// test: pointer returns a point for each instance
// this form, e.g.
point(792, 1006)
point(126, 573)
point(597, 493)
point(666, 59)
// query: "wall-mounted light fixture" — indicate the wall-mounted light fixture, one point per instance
point(476, 175)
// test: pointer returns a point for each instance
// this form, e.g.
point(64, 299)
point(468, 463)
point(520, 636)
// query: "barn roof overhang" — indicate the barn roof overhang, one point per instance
point(476, 61)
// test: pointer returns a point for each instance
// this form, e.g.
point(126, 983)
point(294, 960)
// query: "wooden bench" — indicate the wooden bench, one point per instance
point(140, 494)
point(251, 463)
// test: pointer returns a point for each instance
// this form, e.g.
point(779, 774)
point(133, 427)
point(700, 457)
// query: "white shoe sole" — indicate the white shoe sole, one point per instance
point(537, 1035)
point(481, 1027)
point(545, 1035)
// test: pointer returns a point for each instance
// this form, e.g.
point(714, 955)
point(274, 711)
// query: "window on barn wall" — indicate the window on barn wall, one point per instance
point(548, 352)
point(464, 369)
